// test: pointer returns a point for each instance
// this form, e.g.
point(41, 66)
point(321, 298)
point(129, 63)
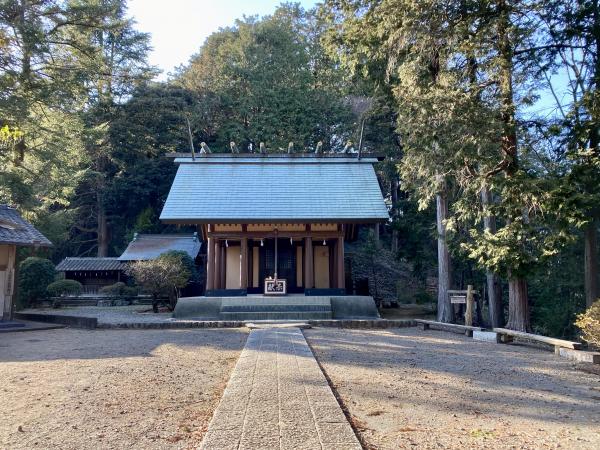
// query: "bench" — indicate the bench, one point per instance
point(507, 336)
point(426, 324)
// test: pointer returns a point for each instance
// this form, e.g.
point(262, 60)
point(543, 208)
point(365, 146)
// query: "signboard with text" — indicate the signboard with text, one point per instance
point(275, 287)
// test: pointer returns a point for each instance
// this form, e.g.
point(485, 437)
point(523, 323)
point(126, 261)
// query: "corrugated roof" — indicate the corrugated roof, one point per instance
point(16, 230)
point(150, 246)
point(88, 264)
point(273, 188)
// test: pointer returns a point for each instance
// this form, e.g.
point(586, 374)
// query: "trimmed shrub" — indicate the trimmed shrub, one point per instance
point(35, 274)
point(64, 287)
point(589, 324)
point(120, 289)
point(115, 290)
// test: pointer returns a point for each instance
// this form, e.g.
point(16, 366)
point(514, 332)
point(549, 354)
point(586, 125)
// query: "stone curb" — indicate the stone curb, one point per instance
point(73, 321)
point(171, 325)
point(364, 324)
point(92, 323)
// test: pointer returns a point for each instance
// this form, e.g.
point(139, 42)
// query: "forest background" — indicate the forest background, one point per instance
point(483, 187)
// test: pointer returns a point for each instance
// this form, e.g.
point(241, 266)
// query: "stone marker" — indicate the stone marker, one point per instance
point(486, 336)
point(579, 355)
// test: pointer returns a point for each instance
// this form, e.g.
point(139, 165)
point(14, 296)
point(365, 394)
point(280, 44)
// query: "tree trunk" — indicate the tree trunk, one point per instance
point(102, 232)
point(591, 263)
point(494, 286)
point(518, 308)
point(445, 312)
point(591, 231)
point(518, 305)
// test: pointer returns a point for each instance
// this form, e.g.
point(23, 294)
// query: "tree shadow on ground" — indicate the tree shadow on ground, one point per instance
point(453, 373)
point(69, 343)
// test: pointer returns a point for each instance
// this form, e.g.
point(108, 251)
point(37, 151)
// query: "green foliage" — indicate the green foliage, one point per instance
point(589, 324)
point(269, 81)
point(60, 288)
point(35, 274)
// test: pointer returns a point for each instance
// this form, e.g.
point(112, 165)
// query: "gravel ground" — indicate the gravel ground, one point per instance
point(407, 388)
point(117, 389)
point(109, 314)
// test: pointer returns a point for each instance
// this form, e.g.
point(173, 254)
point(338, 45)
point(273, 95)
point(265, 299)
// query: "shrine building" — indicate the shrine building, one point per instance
point(275, 218)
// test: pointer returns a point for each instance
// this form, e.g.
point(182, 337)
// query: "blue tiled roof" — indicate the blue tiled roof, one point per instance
point(222, 189)
point(150, 246)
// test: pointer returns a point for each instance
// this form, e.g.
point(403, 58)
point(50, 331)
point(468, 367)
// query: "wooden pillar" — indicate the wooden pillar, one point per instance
point(251, 266)
point(244, 263)
point(210, 264)
point(217, 273)
point(309, 272)
point(340, 263)
point(223, 268)
point(10, 279)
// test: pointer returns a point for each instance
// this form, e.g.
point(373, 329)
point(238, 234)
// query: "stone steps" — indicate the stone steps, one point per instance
point(276, 308)
point(276, 315)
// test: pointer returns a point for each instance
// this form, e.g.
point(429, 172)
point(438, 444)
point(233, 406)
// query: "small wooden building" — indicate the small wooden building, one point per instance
point(277, 216)
point(96, 272)
point(14, 232)
point(93, 273)
point(149, 246)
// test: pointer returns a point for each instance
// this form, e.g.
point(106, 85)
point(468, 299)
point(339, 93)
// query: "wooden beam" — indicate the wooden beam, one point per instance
point(244, 264)
point(272, 234)
point(538, 338)
point(340, 263)
point(309, 273)
point(210, 264)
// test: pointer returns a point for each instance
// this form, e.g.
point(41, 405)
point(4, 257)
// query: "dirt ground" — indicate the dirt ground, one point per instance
point(77, 389)
point(408, 388)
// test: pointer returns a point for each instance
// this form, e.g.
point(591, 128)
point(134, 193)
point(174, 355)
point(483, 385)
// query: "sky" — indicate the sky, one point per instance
point(179, 27)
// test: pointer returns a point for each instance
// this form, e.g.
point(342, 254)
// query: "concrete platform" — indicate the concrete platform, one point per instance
point(292, 307)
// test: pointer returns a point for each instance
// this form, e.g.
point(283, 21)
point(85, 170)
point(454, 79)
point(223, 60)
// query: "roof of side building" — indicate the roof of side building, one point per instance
point(17, 231)
point(89, 264)
point(150, 246)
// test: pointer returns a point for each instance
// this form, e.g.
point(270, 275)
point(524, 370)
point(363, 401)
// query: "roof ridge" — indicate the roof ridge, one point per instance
point(91, 257)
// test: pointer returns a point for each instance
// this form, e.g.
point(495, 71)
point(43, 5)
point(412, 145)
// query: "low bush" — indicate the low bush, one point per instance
point(64, 287)
point(120, 289)
point(589, 324)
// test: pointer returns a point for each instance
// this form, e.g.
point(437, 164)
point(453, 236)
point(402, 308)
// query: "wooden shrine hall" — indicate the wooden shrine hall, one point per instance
point(275, 223)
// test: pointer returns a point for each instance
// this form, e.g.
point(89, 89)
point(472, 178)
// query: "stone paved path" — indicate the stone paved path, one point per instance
point(278, 398)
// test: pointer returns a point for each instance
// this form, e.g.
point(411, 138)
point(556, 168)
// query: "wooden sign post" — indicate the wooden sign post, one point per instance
point(469, 308)
point(466, 298)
